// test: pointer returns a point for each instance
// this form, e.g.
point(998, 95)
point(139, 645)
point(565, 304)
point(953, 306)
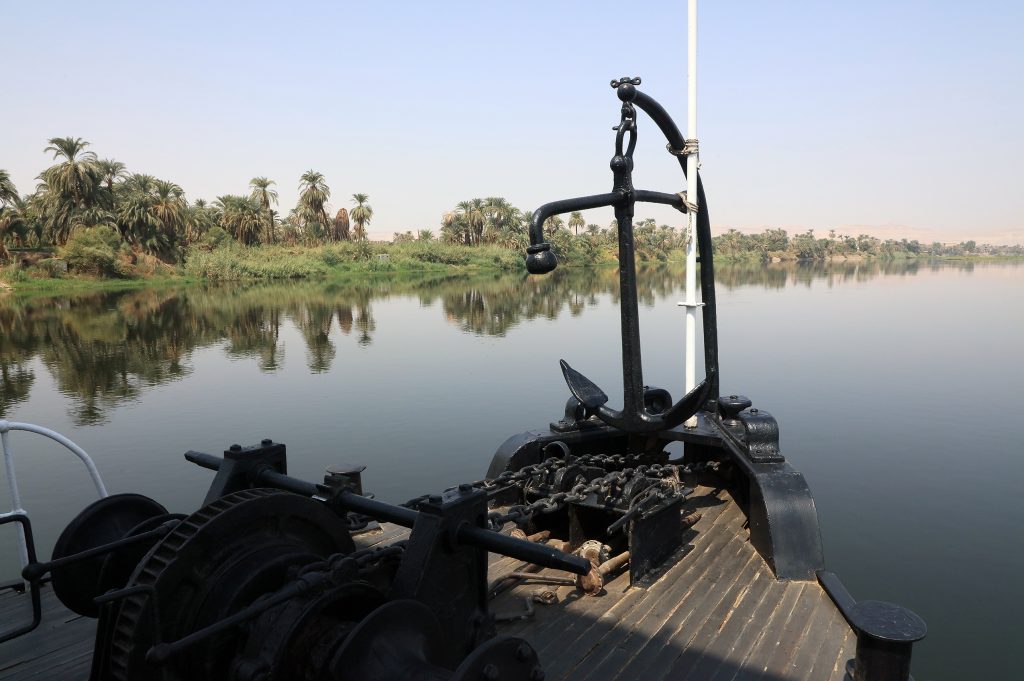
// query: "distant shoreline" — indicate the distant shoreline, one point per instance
point(382, 261)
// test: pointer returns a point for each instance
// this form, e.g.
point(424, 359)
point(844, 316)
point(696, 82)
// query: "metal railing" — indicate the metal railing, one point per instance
point(12, 481)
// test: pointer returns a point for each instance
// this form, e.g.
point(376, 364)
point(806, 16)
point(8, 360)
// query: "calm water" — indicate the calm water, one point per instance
point(896, 388)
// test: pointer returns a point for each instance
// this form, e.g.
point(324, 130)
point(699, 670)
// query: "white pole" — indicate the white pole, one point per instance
point(691, 193)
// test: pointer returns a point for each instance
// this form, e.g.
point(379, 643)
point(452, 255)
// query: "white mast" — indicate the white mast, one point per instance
point(691, 303)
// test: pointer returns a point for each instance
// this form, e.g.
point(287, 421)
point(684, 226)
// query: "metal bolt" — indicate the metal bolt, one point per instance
point(266, 442)
point(465, 486)
point(523, 652)
point(753, 410)
point(490, 673)
point(235, 448)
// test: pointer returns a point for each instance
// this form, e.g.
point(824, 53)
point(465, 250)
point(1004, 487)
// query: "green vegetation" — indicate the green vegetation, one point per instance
point(90, 218)
point(777, 245)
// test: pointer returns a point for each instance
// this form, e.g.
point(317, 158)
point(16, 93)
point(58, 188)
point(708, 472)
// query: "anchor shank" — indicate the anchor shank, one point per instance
point(632, 370)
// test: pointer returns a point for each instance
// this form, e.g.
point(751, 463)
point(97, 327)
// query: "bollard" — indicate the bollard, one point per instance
point(885, 637)
point(346, 475)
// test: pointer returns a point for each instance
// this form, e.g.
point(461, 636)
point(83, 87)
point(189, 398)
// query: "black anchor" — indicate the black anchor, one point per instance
point(636, 417)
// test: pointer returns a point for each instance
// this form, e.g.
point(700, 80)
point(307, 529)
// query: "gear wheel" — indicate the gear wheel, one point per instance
point(216, 562)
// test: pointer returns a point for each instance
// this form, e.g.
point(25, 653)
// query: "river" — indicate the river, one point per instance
point(893, 383)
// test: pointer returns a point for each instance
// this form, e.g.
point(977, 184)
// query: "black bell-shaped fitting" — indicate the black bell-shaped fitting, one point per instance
point(540, 259)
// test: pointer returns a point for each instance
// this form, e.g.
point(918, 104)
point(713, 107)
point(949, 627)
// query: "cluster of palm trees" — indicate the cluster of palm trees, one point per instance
point(152, 215)
point(494, 220)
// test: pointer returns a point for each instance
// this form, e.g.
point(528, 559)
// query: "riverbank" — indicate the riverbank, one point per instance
point(279, 262)
point(231, 262)
point(349, 261)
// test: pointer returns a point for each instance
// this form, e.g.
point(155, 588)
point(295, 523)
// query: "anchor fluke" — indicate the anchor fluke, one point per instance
point(692, 401)
point(582, 388)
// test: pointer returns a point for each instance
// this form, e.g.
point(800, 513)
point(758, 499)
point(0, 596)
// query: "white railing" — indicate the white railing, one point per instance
point(12, 480)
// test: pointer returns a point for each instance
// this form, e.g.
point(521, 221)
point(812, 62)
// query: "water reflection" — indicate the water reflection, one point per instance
point(104, 349)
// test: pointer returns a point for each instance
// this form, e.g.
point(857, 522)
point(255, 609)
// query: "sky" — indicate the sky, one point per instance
point(888, 118)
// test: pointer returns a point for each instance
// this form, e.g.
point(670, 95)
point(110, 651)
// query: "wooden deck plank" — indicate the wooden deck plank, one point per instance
point(385, 535)
point(778, 664)
point(716, 650)
point(847, 649)
point(678, 631)
point(679, 595)
point(750, 632)
point(815, 642)
point(618, 597)
point(609, 650)
point(60, 648)
point(586, 625)
point(829, 656)
point(751, 667)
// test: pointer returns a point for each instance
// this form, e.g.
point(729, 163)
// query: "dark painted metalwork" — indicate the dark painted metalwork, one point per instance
point(76, 574)
point(240, 464)
point(280, 562)
point(34, 586)
point(886, 633)
point(783, 519)
point(635, 417)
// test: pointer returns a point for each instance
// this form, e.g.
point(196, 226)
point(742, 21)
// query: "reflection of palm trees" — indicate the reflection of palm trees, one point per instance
point(104, 349)
point(344, 313)
point(254, 333)
point(15, 383)
point(315, 324)
point(365, 323)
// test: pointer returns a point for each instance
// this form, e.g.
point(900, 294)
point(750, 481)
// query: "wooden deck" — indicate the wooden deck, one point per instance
point(716, 614)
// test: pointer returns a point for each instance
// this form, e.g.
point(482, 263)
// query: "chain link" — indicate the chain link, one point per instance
point(520, 513)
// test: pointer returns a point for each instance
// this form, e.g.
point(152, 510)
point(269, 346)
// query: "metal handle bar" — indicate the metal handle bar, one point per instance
point(406, 517)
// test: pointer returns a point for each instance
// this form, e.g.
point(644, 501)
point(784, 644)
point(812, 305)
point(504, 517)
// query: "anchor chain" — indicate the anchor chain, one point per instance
point(521, 513)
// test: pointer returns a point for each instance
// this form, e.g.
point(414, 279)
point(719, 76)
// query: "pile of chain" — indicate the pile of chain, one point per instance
point(602, 486)
point(522, 512)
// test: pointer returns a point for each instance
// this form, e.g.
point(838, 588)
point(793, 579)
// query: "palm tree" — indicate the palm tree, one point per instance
point(240, 216)
point(477, 219)
point(451, 227)
point(554, 223)
point(77, 177)
point(170, 209)
point(8, 192)
point(341, 225)
point(504, 220)
point(263, 195)
point(199, 218)
point(361, 215)
point(69, 189)
point(110, 171)
point(312, 209)
point(12, 219)
point(576, 221)
point(152, 214)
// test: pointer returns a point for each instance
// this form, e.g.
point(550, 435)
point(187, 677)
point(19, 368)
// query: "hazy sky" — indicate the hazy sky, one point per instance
point(894, 118)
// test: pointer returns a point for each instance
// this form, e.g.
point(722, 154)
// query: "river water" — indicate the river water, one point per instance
point(897, 387)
